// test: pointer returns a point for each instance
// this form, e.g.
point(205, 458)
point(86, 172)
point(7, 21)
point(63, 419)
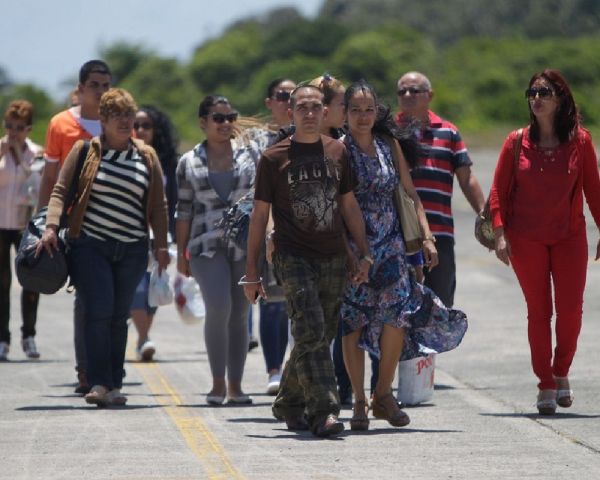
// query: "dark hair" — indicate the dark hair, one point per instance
point(93, 66)
point(566, 117)
point(300, 86)
point(275, 83)
point(385, 124)
point(210, 101)
point(164, 139)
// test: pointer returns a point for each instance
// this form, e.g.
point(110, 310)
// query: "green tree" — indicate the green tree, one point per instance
point(124, 58)
point(229, 59)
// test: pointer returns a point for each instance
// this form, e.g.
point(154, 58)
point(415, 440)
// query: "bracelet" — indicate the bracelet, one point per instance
point(243, 281)
point(368, 259)
point(430, 239)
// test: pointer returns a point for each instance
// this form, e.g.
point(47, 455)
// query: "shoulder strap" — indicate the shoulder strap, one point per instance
point(394, 147)
point(70, 198)
point(517, 145)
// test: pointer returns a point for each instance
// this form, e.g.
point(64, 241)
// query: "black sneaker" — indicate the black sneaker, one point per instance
point(252, 343)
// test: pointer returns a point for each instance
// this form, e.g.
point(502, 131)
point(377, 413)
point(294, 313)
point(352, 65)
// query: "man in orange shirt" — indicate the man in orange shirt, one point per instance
point(65, 128)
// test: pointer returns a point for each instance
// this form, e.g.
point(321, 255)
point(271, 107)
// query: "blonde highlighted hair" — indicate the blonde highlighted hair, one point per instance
point(329, 85)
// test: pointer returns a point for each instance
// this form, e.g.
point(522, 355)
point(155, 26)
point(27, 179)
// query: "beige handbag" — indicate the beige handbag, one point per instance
point(411, 229)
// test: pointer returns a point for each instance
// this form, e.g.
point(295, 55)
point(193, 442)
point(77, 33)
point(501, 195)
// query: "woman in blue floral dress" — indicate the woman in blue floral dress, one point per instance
point(391, 316)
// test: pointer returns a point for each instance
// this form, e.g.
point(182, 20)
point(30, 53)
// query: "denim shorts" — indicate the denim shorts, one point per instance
point(140, 299)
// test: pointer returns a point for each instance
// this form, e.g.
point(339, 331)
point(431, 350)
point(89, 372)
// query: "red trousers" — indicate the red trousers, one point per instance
point(539, 266)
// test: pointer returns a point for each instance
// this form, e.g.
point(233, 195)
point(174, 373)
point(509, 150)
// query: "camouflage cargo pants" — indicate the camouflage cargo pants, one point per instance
point(313, 291)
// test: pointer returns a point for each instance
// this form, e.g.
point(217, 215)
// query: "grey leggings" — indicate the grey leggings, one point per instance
point(226, 322)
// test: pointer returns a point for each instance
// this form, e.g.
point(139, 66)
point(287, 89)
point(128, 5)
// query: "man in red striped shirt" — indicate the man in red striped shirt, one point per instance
point(443, 155)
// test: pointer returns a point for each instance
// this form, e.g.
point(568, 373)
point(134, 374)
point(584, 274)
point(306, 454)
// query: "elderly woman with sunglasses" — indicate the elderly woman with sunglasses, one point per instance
point(120, 196)
point(536, 203)
point(18, 182)
point(211, 178)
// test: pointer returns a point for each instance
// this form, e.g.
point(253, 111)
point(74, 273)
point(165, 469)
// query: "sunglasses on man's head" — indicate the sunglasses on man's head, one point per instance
point(142, 125)
point(412, 90)
point(282, 96)
point(12, 126)
point(221, 117)
point(542, 92)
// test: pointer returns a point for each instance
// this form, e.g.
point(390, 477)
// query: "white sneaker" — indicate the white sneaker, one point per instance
point(273, 385)
point(146, 351)
point(4, 348)
point(29, 347)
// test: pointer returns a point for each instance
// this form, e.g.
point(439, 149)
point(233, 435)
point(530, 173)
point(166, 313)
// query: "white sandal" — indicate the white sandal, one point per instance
point(546, 402)
point(564, 394)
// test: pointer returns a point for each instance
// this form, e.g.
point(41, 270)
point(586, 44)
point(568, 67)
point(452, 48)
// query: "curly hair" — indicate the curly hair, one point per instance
point(164, 139)
point(385, 124)
point(20, 110)
point(116, 101)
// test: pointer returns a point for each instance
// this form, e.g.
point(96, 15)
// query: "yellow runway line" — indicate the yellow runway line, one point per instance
point(198, 437)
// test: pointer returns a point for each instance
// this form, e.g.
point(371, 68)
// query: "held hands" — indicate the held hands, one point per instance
point(503, 251)
point(358, 270)
point(49, 241)
point(362, 275)
point(430, 253)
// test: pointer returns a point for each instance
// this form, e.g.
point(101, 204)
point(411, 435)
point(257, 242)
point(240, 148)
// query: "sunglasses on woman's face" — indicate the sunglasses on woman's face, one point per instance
point(282, 96)
point(221, 117)
point(15, 126)
point(142, 125)
point(542, 92)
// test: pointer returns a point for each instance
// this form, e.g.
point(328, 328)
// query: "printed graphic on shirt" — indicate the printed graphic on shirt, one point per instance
point(313, 193)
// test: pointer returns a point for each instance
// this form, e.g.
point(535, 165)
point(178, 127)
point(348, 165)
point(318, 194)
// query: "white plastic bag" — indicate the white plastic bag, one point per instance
point(188, 299)
point(415, 380)
point(159, 288)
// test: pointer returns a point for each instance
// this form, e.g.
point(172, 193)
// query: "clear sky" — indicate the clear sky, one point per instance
point(46, 41)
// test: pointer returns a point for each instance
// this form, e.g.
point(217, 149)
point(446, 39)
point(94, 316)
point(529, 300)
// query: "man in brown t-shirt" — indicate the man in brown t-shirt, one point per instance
point(307, 181)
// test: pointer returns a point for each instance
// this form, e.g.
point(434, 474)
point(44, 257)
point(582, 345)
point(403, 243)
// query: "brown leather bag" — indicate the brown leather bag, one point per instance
point(484, 231)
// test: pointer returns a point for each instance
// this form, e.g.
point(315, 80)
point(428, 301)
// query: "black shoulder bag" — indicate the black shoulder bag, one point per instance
point(46, 274)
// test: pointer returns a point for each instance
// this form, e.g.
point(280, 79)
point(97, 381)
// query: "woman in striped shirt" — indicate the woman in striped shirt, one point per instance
point(211, 177)
point(120, 195)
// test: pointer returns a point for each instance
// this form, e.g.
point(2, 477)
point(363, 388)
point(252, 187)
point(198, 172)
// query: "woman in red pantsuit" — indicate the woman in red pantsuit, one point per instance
point(536, 202)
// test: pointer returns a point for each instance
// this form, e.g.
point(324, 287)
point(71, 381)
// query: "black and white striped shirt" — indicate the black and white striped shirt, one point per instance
point(115, 209)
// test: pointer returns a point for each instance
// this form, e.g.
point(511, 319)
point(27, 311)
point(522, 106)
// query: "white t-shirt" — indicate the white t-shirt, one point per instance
point(93, 127)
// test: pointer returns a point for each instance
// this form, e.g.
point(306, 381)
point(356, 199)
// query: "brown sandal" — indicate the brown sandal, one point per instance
point(387, 408)
point(360, 418)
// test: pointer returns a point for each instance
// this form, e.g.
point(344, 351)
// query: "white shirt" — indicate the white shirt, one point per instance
point(19, 185)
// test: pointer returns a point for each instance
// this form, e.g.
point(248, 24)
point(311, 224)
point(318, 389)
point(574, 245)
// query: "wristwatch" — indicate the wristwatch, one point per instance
point(368, 259)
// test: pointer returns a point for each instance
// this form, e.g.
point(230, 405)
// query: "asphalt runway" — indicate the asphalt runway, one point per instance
point(481, 423)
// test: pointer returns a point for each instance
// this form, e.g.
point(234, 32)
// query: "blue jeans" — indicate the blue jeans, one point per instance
point(273, 333)
point(106, 274)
